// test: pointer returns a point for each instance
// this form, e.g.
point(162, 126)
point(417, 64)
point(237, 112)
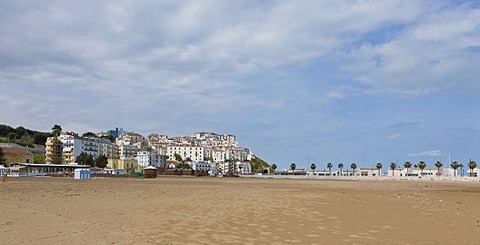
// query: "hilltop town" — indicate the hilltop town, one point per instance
point(127, 152)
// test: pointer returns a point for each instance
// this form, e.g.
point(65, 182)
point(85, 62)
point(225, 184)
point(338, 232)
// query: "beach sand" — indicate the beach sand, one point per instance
point(208, 210)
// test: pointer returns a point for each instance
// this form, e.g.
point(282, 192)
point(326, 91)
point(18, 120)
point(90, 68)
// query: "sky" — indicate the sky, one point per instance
point(296, 81)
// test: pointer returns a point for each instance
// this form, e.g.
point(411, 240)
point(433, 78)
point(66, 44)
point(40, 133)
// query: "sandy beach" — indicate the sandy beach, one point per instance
point(181, 210)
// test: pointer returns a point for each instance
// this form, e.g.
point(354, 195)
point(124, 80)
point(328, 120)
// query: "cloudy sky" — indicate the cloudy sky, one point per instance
point(296, 81)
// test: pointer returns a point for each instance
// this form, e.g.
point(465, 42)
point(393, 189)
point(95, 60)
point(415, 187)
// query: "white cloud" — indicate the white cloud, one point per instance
point(432, 153)
point(393, 136)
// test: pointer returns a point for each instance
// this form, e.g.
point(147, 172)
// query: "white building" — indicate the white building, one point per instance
point(127, 152)
point(195, 153)
point(202, 166)
point(243, 168)
point(149, 158)
point(402, 172)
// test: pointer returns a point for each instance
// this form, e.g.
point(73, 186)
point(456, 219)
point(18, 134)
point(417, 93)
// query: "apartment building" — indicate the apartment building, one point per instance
point(195, 153)
point(53, 150)
point(150, 158)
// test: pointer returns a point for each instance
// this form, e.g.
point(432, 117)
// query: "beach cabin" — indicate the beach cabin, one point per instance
point(82, 174)
point(150, 172)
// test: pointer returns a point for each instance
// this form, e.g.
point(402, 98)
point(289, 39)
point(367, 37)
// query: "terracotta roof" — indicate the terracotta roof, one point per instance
point(16, 151)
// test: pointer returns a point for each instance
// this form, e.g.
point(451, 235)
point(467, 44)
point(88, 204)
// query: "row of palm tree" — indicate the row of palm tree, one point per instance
point(421, 165)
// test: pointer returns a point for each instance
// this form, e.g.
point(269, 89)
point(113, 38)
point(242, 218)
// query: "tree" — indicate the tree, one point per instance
point(178, 158)
point(40, 159)
point(56, 130)
point(454, 165)
point(101, 161)
point(293, 166)
point(393, 166)
point(340, 166)
point(354, 167)
point(313, 167)
point(89, 134)
point(12, 135)
point(27, 139)
point(422, 165)
point(461, 169)
point(407, 165)
point(274, 167)
point(240, 168)
point(438, 164)
point(471, 165)
point(85, 159)
point(330, 166)
point(379, 167)
point(3, 161)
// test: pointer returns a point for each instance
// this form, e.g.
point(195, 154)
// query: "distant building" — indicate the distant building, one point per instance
point(150, 158)
point(53, 150)
point(17, 155)
point(115, 132)
point(195, 153)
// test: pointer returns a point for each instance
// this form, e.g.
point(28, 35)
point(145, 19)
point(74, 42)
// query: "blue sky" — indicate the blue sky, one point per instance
point(296, 81)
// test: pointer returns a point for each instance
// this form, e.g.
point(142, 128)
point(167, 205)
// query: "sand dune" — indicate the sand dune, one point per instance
point(170, 210)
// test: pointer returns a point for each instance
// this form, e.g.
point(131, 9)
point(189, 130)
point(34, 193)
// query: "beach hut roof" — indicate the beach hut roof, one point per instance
point(150, 167)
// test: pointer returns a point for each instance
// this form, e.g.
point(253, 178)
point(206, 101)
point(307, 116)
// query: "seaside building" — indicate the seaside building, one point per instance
point(53, 150)
point(195, 153)
point(17, 155)
point(243, 168)
point(202, 166)
point(150, 158)
point(401, 172)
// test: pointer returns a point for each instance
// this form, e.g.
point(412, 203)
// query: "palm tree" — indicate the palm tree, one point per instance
point(438, 164)
point(407, 165)
point(422, 166)
point(313, 167)
point(454, 165)
point(340, 166)
point(379, 167)
point(393, 166)
point(330, 166)
point(471, 165)
point(293, 166)
point(354, 167)
point(461, 169)
point(274, 167)
point(240, 168)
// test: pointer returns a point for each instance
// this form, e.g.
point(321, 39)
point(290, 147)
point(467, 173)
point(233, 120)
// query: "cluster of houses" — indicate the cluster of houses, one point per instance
point(132, 152)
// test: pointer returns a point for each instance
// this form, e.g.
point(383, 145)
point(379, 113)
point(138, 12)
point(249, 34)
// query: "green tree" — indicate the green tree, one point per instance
point(407, 165)
point(454, 165)
point(313, 167)
point(340, 166)
point(40, 159)
point(422, 165)
point(101, 161)
point(330, 166)
point(178, 158)
point(393, 166)
point(354, 167)
point(438, 164)
point(461, 168)
point(274, 167)
point(89, 134)
point(379, 167)
point(12, 136)
point(293, 166)
point(3, 161)
point(472, 165)
point(85, 159)
point(56, 130)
